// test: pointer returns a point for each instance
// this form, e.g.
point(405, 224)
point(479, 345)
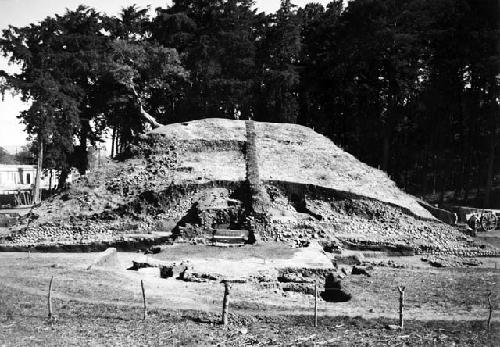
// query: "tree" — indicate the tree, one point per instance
point(216, 41)
point(460, 101)
point(410, 86)
point(59, 59)
point(139, 81)
point(279, 59)
point(321, 100)
point(84, 72)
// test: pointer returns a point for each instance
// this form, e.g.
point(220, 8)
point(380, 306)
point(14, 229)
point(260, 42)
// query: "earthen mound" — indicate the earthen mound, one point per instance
point(231, 181)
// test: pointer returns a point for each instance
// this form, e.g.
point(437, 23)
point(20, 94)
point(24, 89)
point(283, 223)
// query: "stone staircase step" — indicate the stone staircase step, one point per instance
point(231, 232)
point(232, 240)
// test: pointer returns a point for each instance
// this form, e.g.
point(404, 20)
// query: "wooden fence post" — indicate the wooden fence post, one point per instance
point(401, 306)
point(225, 303)
point(145, 312)
point(49, 298)
point(315, 304)
point(490, 311)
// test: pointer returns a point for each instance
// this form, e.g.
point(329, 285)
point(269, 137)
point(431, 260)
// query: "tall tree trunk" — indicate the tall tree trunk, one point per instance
point(460, 184)
point(465, 199)
point(467, 177)
point(113, 139)
point(117, 141)
point(479, 183)
point(425, 168)
point(434, 175)
point(442, 192)
point(465, 147)
point(82, 160)
point(36, 194)
point(490, 171)
point(62, 179)
point(50, 180)
point(385, 158)
point(147, 117)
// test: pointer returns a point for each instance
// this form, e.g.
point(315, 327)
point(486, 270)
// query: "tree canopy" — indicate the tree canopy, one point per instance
point(410, 86)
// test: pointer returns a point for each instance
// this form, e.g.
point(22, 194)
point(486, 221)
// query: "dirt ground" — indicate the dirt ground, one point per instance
point(491, 237)
point(103, 306)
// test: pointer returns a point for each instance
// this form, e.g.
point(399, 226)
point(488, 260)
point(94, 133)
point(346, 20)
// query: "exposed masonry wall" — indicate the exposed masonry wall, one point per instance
point(253, 177)
point(259, 200)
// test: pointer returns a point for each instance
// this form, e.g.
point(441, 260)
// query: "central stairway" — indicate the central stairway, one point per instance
point(229, 237)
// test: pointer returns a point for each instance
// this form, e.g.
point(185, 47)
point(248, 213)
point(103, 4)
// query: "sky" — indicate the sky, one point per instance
point(24, 12)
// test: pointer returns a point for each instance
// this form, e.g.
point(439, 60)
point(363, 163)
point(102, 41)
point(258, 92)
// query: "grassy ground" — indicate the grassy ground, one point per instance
point(23, 322)
point(103, 307)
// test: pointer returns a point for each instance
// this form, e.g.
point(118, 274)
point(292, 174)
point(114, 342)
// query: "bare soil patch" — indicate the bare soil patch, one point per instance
point(445, 306)
point(260, 251)
point(23, 323)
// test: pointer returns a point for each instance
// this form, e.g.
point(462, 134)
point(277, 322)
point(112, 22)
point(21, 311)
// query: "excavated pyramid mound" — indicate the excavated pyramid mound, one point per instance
point(281, 182)
point(286, 152)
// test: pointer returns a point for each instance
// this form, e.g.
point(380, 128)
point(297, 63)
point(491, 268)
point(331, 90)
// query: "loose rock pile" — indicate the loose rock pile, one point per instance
point(454, 261)
point(56, 234)
point(367, 224)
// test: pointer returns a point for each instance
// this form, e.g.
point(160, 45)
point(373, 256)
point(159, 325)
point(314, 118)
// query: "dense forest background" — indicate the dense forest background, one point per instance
point(410, 86)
